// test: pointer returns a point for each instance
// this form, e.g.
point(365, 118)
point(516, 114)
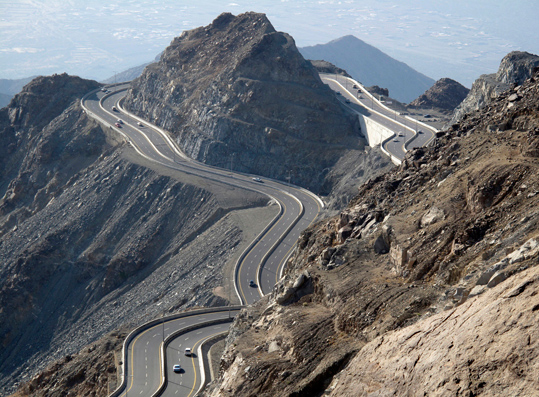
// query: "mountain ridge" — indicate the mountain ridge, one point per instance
point(239, 93)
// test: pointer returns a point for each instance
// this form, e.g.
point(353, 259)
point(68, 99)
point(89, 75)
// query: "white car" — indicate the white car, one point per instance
point(177, 368)
point(257, 180)
point(395, 140)
point(187, 351)
point(140, 124)
point(401, 133)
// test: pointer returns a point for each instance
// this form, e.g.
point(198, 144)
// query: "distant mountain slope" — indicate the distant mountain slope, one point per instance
point(371, 67)
point(8, 88)
point(131, 73)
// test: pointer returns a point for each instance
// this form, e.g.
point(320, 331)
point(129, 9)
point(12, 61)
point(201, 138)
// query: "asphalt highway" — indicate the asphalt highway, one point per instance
point(408, 132)
point(145, 371)
point(187, 381)
point(299, 207)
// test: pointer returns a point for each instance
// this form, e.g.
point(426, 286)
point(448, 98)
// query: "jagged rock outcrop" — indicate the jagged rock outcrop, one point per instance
point(328, 67)
point(486, 346)
point(445, 94)
point(378, 90)
point(238, 94)
point(515, 67)
point(449, 309)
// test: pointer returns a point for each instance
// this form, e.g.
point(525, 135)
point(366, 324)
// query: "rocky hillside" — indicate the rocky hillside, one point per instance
point(371, 66)
point(93, 238)
point(426, 284)
point(238, 94)
point(445, 94)
point(514, 68)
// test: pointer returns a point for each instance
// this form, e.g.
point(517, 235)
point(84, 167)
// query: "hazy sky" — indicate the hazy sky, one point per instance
point(460, 39)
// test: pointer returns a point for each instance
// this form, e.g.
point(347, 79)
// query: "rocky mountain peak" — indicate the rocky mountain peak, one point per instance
point(445, 94)
point(233, 38)
point(238, 94)
point(45, 97)
point(514, 68)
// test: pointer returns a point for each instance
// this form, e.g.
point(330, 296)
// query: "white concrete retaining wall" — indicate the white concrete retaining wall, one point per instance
point(374, 132)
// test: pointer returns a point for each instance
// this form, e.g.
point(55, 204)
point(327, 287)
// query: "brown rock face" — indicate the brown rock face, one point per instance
point(445, 94)
point(238, 94)
point(487, 346)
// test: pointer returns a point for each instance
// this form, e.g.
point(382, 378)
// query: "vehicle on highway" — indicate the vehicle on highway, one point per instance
point(177, 368)
point(120, 121)
point(401, 133)
point(140, 124)
point(354, 86)
point(338, 93)
point(187, 351)
point(395, 140)
point(347, 100)
point(252, 284)
point(118, 125)
point(114, 109)
point(257, 179)
point(419, 132)
point(427, 116)
point(104, 89)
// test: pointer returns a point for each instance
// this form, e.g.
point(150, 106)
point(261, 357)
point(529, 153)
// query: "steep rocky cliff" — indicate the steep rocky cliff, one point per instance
point(92, 237)
point(445, 94)
point(425, 285)
point(238, 94)
point(514, 68)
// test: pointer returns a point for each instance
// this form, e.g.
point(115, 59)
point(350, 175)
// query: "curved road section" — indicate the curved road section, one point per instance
point(408, 133)
point(262, 262)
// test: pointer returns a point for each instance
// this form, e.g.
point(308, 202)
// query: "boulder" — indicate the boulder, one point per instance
point(433, 215)
point(381, 246)
point(496, 279)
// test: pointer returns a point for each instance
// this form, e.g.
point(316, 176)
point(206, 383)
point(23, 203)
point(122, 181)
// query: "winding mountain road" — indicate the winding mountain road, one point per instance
point(262, 262)
point(408, 132)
